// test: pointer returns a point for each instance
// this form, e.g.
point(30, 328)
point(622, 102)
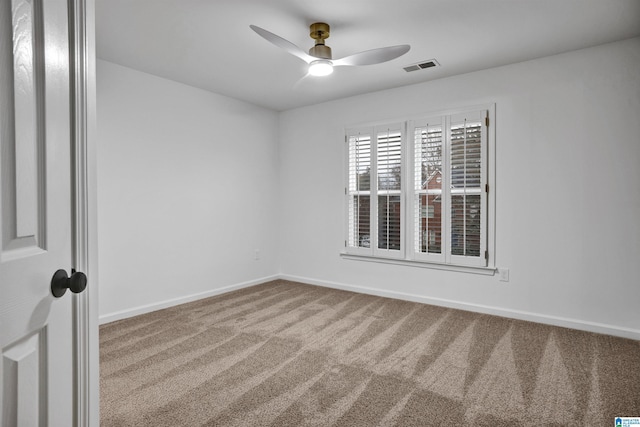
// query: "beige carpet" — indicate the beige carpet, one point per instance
point(288, 354)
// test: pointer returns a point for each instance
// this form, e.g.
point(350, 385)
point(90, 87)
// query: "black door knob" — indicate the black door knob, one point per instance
point(61, 282)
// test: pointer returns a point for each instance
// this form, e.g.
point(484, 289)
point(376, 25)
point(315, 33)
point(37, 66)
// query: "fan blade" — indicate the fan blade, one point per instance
point(283, 44)
point(373, 56)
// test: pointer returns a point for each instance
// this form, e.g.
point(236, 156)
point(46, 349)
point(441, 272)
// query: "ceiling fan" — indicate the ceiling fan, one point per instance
point(319, 57)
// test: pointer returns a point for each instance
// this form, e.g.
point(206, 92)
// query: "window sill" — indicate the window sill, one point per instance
point(486, 271)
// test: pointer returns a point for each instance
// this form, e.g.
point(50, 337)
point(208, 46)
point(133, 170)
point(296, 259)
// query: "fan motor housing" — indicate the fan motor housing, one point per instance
point(320, 51)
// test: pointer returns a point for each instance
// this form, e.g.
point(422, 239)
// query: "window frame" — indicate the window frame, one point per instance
point(408, 255)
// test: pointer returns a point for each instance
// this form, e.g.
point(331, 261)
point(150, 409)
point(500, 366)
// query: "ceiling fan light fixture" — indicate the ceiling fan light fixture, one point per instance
point(319, 58)
point(320, 67)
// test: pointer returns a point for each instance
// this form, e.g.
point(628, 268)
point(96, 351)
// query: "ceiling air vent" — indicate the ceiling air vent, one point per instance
point(422, 65)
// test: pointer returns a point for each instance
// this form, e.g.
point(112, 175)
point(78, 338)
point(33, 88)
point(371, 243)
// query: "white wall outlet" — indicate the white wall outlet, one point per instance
point(504, 274)
point(256, 254)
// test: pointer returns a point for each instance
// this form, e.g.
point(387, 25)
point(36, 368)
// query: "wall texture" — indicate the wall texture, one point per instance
point(187, 187)
point(567, 190)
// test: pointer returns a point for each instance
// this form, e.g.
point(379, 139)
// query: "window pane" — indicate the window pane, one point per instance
point(360, 224)
point(428, 188)
point(360, 163)
point(433, 224)
point(389, 222)
point(466, 155)
point(466, 158)
point(389, 160)
point(428, 157)
point(465, 224)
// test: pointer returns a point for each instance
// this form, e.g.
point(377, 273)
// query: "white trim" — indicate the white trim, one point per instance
point(564, 322)
point(487, 271)
point(143, 309)
point(82, 87)
point(422, 116)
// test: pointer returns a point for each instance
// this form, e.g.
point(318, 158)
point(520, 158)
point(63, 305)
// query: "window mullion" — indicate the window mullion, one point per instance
point(404, 188)
point(373, 200)
point(357, 188)
point(446, 189)
point(409, 191)
point(464, 189)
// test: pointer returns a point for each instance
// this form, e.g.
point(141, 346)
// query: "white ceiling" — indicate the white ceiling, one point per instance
point(208, 43)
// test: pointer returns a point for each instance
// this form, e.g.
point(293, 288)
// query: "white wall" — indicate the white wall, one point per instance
point(567, 201)
point(187, 188)
point(190, 183)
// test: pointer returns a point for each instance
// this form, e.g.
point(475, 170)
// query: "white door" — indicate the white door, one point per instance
point(36, 329)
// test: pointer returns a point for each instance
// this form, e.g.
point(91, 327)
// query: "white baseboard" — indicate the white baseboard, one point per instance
point(496, 311)
point(478, 308)
point(112, 317)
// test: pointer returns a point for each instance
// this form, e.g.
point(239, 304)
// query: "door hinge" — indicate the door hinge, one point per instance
point(486, 255)
point(486, 188)
point(345, 191)
point(346, 139)
point(486, 121)
point(345, 243)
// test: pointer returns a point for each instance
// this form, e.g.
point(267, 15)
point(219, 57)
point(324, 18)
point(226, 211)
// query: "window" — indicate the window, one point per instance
point(418, 190)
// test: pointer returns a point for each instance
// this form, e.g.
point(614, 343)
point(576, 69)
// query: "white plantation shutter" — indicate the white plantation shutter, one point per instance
point(428, 177)
point(444, 163)
point(359, 190)
point(389, 190)
point(467, 184)
point(449, 200)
